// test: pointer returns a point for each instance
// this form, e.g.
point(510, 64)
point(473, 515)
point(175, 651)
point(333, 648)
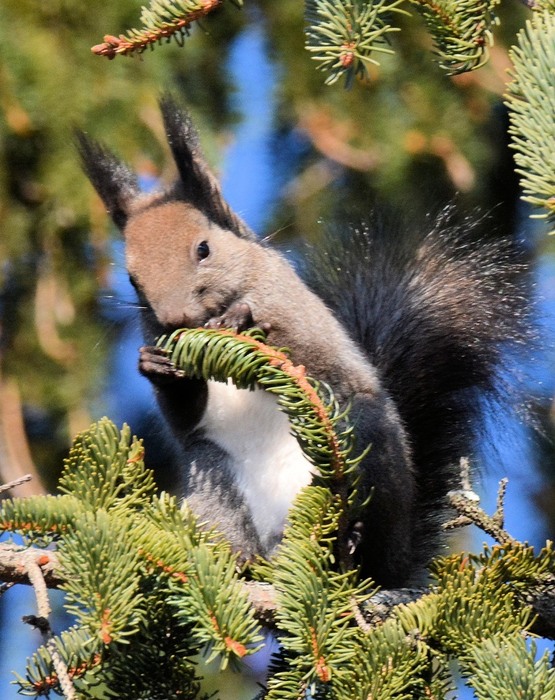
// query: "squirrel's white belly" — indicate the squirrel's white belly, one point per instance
point(269, 464)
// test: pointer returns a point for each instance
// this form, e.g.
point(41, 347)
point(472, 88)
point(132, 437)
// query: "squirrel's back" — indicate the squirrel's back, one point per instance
point(436, 312)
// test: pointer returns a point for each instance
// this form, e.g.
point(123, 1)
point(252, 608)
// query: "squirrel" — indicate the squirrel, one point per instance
point(408, 330)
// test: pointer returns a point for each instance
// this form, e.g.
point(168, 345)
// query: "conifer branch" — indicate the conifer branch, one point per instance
point(316, 421)
point(149, 587)
point(344, 36)
point(74, 649)
point(42, 622)
point(12, 565)
point(15, 482)
point(161, 20)
point(531, 101)
point(262, 595)
point(462, 31)
point(466, 503)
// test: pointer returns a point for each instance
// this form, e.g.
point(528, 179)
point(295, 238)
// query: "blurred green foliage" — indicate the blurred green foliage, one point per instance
point(54, 246)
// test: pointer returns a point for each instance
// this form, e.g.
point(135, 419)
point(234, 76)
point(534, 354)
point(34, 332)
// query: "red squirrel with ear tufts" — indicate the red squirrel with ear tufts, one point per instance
point(407, 329)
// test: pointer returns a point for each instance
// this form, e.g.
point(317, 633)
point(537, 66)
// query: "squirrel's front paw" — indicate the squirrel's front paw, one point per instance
point(238, 316)
point(155, 365)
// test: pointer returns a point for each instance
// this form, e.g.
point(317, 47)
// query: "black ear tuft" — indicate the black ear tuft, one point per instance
point(184, 143)
point(116, 184)
point(200, 186)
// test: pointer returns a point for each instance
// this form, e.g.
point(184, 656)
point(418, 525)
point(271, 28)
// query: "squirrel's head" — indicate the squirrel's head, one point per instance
point(186, 250)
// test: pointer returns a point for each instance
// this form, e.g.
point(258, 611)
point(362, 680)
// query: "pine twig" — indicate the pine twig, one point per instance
point(465, 502)
point(462, 32)
point(175, 23)
point(15, 482)
point(262, 596)
point(315, 419)
point(32, 566)
point(248, 360)
point(345, 36)
point(530, 98)
point(13, 569)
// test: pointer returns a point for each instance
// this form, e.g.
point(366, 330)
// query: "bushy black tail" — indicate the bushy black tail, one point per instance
point(435, 313)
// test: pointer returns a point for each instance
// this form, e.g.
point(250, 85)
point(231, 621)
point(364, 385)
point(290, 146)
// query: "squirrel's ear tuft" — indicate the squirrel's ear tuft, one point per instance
point(114, 181)
point(200, 185)
point(184, 143)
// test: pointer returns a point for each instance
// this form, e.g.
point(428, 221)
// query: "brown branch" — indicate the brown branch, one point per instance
point(13, 565)
point(141, 40)
point(31, 566)
point(52, 304)
point(330, 137)
point(15, 454)
point(16, 482)
point(32, 559)
point(465, 502)
point(263, 597)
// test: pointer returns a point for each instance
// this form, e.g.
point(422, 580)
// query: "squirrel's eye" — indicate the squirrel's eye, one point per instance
point(203, 250)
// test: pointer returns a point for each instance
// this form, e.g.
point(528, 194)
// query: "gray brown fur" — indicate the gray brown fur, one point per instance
point(413, 332)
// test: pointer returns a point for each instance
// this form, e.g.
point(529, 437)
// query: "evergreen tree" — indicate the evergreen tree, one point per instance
point(344, 37)
point(148, 588)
